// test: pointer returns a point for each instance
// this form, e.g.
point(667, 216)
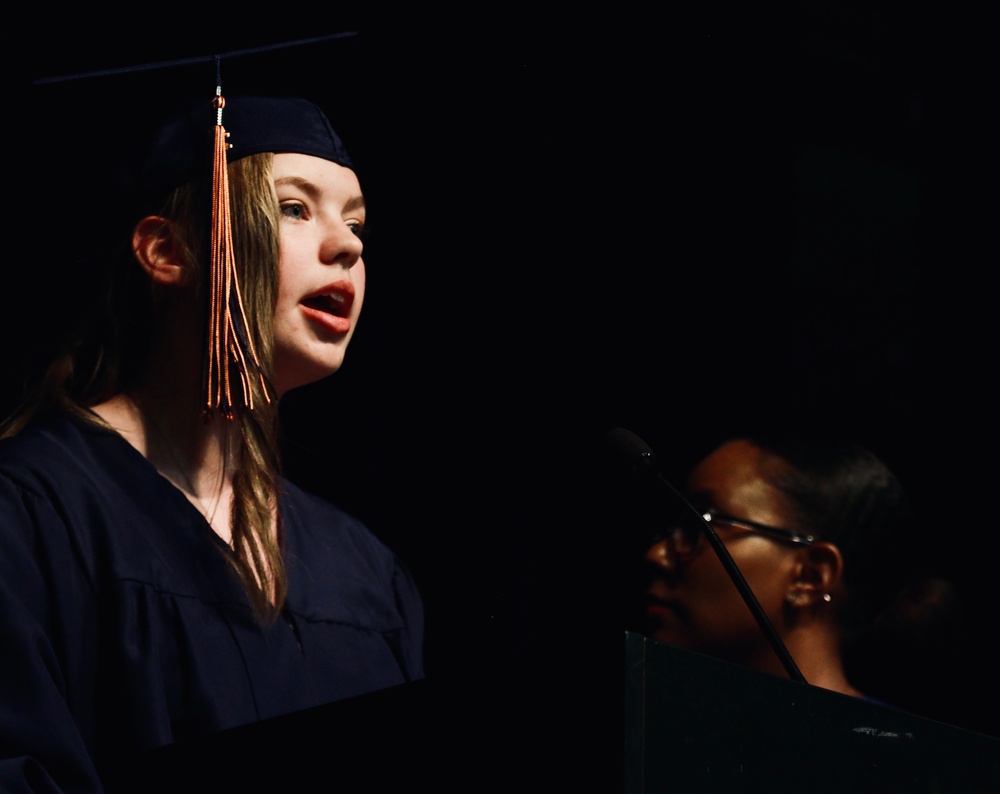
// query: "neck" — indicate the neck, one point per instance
point(195, 455)
point(815, 648)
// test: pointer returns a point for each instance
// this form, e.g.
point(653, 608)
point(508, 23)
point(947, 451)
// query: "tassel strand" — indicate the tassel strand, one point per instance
point(229, 342)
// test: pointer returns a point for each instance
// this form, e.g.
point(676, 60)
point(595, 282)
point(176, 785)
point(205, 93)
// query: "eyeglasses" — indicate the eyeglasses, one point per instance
point(687, 533)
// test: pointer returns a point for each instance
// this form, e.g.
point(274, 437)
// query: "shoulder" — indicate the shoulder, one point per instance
point(52, 445)
point(342, 577)
point(327, 547)
point(68, 463)
point(66, 473)
point(313, 521)
point(48, 485)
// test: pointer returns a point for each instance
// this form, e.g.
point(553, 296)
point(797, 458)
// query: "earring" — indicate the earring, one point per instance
point(827, 597)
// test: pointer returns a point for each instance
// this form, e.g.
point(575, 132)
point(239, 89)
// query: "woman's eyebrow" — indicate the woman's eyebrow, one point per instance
point(354, 203)
point(297, 181)
point(306, 186)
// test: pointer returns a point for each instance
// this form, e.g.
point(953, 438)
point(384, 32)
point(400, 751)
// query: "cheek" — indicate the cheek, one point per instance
point(287, 272)
point(766, 569)
point(284, 290)
point(709, 576)
point(758, 560)
point(359, 278)
point(284, 294)
point(286, 301)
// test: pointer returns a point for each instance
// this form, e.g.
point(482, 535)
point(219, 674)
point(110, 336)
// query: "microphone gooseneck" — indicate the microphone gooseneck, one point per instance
point(632, 450)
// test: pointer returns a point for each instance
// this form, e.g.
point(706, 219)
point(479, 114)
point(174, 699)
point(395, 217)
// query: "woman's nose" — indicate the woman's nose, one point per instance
point(340, 245)
point(662, 554)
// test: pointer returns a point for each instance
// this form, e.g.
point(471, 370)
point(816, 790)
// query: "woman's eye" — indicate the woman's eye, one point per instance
point(357, 228)
point(294, 211)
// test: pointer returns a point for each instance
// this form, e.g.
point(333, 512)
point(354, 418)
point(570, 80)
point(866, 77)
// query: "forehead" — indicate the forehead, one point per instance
point(737, 478)
point(294, 168)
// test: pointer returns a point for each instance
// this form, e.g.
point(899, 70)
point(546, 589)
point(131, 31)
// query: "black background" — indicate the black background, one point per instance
point(677, 224)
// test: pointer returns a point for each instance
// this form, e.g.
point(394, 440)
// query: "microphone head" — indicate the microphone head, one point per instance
point(628, 445)
point(629, 448)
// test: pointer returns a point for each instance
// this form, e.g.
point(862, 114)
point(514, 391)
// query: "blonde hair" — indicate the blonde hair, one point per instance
point(106, 356)
point(258, 558)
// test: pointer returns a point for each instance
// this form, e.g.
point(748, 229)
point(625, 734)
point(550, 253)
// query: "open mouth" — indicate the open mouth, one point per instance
point(337, 304)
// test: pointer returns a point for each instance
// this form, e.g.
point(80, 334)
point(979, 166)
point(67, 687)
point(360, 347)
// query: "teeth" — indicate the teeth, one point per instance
point(333, 302)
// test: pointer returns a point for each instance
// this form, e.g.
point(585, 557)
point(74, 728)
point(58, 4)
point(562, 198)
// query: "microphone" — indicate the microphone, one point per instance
point(635, 452)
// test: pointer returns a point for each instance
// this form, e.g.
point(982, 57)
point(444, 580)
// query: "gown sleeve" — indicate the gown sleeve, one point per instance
point(45, 632)
point(409, 648)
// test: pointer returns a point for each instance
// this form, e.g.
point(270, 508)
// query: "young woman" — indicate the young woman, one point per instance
point(821, 531)
point(159, 579)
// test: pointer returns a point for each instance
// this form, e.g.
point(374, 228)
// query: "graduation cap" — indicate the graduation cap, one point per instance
point(110, 111)
point(104, 118)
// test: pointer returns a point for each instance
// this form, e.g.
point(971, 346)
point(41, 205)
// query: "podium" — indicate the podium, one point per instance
point(696, 724)
point(692, 724)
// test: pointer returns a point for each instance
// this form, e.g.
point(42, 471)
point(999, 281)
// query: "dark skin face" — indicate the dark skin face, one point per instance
point(692, 602)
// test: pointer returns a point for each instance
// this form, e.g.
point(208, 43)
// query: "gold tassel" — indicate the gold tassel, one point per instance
point(229, 340)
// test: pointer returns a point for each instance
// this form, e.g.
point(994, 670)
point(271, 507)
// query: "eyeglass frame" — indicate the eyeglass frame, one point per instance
point(711, 515)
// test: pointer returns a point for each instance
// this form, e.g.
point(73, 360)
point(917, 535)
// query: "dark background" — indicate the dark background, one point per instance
point(678, 225)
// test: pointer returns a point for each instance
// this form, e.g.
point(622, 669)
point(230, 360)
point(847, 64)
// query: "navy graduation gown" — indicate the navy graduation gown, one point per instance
point(123, 627)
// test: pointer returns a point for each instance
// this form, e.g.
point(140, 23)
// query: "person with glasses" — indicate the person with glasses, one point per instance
point(822, 533)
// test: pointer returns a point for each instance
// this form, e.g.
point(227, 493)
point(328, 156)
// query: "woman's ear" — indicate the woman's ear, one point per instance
point(819, 569)
point(159, 252)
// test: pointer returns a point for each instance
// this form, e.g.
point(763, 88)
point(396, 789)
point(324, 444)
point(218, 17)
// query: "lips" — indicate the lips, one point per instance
point(660, 608)
point(330, 306)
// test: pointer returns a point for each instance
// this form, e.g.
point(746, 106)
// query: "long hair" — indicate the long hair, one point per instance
point(107, 354)
point(258, 465)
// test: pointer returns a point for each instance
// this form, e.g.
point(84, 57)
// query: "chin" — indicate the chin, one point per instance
point(669, 632)
point(294, 379)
